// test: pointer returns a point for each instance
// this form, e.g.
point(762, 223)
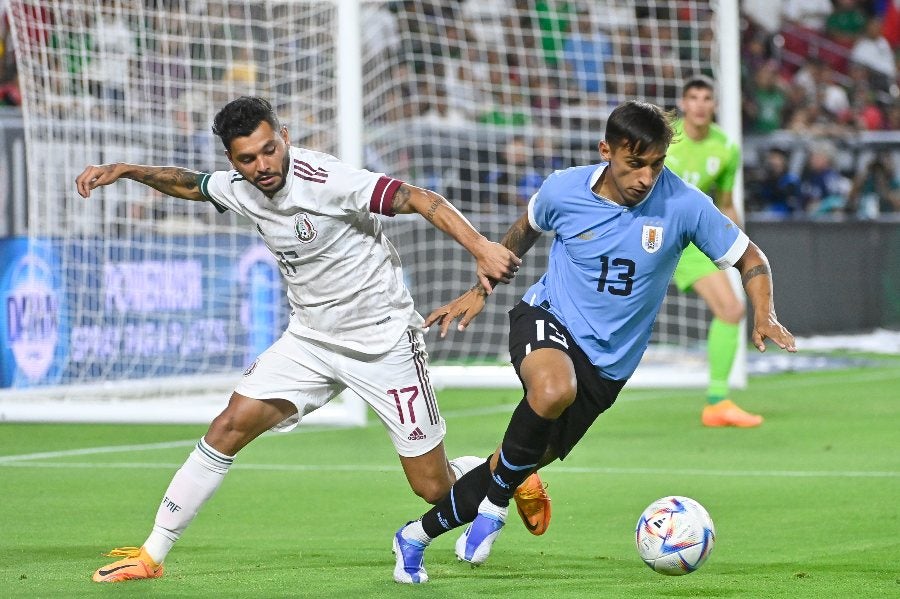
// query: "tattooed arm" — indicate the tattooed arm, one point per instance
point(518, 239)
point(171, 180)
point(757, 280)
point(495, 262)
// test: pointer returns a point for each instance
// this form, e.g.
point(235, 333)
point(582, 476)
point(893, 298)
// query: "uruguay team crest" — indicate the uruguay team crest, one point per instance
point(652, 238)
point(303, 228)
point(712, 165)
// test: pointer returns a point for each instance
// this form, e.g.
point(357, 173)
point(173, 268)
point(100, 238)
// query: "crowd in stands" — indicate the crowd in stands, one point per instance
point(524, 70)
point(818, 77)
point(821, 66)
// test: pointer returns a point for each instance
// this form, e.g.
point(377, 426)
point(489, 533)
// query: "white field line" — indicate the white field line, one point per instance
point(555, 469)
point(636, 395)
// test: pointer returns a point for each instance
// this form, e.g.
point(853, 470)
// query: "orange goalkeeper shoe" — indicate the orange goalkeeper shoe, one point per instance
point(727, 413)
point(134, 565)
point(533, 504)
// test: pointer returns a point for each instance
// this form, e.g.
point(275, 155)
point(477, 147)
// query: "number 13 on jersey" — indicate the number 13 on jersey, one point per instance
point(623, 273)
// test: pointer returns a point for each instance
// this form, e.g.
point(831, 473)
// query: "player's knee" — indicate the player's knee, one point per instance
point(551, 395)
point(431, 490)
point(733, 312)
point(228, 433)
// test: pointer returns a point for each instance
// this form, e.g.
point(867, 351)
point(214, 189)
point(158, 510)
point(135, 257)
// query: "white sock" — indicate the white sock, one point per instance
point(464, 463)
point(414, 532)
point(193, 484)
point(488, 508)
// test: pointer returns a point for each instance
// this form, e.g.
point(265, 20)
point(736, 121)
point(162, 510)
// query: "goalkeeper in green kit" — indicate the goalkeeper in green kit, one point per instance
point(704, 156)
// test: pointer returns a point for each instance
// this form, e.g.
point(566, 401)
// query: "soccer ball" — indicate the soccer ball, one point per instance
point(674, 535)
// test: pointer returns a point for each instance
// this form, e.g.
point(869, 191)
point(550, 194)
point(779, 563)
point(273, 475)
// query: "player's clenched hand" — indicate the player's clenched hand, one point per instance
point(770, 328)
point(496, 263)
point(95, 176)
point(466, 307)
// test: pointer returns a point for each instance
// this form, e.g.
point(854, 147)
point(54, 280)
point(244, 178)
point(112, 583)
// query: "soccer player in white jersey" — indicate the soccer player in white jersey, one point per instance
point(579, 332)
point(352, 325)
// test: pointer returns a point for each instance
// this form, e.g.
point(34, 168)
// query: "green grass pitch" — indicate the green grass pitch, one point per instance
point(805, 506)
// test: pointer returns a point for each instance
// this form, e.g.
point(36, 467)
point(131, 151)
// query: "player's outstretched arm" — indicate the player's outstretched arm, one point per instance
point(495, 263)
point(756, 277)
point(465, 308)
point(518, 239)
point(171, 180)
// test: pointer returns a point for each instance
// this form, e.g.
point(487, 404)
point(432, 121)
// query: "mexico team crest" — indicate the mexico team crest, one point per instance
point(652, 238)
point(303, 228)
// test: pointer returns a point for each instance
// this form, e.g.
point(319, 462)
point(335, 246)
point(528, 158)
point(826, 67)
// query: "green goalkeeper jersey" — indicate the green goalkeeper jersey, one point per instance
point(710, 164)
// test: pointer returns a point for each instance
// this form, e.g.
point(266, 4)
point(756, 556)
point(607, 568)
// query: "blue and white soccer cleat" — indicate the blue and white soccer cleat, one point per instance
point(474, 545)
point(410, 566)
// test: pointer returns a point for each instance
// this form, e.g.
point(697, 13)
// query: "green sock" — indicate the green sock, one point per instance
point(721, 348)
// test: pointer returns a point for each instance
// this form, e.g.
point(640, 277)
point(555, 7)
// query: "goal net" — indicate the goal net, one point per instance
point(133, 294)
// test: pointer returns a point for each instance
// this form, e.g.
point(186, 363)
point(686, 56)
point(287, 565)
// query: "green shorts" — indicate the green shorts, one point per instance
point(693, 266)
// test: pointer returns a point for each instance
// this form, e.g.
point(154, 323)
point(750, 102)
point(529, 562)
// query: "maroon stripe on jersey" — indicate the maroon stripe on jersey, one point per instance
point(304, 166)
point(424, 381)
point(382, 200)
point(319, 179)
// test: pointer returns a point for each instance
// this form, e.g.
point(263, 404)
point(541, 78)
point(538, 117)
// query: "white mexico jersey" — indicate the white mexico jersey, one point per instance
point(344, 281)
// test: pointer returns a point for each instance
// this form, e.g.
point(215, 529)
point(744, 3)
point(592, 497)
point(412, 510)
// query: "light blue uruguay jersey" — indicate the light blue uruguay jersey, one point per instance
point(610, 265)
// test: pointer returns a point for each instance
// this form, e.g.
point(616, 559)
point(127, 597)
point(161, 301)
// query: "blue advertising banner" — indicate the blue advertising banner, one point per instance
point(33, 325)
point(93, 309)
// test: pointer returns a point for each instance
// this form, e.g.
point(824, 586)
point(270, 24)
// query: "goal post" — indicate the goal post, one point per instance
point(117, 304)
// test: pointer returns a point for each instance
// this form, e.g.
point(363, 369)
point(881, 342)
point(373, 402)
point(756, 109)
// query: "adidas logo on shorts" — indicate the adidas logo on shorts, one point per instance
point(416, 435)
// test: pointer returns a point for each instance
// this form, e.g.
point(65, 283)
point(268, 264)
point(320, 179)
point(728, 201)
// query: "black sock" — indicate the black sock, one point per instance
point(460, 505)
point(524, 443)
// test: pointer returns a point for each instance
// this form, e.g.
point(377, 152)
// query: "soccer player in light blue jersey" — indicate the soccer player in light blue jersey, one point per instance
point(578, 334)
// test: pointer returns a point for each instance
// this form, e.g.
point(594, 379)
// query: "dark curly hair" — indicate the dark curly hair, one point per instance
point(241, 117)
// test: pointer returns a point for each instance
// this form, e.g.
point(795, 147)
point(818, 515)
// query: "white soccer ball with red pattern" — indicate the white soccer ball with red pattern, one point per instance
point(675, 535)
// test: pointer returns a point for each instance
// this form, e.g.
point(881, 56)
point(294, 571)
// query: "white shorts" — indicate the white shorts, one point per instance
point(395, 384)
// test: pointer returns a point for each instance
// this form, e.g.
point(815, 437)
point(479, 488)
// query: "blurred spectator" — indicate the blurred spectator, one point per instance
point(864, 113)
point(437, 109)
point(823, 188)
point(891, 25)
point(517, 172)
point(803, 33)
point(554, 18)
point(810, 119)
point(795, 102)
point(466, 80)
point(846, 24)
point(115, 49)
point(507, 105)
point(765, 104)
point(484, 18)
point(764, 14)
point(874, 51)
point(241, 72)
point(164, 71)
point(585, 54)
point(546, 105)
point(9, 74)
point(808, 14)
point(778, 192)
point(876, 188)
point(818, 81)
point(193, 143)
point(892, 117)
point(755, 53)
point(73, 47)
point(808, 76)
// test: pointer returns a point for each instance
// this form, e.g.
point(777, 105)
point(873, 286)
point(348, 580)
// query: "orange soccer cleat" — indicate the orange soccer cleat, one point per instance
point(726, 413)
point(533, 504)
point(134, 565)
